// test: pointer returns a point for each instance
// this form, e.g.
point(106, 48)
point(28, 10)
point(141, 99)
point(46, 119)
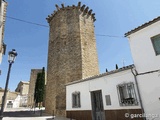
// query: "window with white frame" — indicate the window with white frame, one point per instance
point(76, 100)
point(156, 44)
point(127, 94)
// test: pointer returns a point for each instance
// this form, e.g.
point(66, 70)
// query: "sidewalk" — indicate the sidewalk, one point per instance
point(28, 114)
point(34, 118)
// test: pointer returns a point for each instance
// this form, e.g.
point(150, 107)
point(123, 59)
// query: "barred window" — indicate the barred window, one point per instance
point(126, 94)
point(76, 100)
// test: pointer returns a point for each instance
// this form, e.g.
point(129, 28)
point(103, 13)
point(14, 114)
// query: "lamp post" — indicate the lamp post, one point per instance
point(11, 58)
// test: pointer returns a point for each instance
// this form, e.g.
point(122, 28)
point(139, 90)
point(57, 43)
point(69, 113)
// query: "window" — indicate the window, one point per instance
point(76, 100)
point(108, 100)
point(156, 44)
point(126, 94)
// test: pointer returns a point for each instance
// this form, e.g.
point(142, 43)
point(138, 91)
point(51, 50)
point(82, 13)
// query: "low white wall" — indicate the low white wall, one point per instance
point(108, 85)
point(16, 102)
point(149, 88)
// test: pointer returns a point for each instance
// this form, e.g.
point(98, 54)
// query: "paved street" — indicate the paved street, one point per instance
point(28, 114)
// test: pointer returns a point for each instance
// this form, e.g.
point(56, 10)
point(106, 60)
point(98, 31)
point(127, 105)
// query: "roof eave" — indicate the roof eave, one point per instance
point(142, 26)
point(103, 74)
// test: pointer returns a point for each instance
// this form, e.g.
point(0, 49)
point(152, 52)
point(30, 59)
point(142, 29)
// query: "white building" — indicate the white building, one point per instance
point(13, 102)
point(132, 91)
point(12, 99)
point(23, 88)
point(107, 96)
point(145, 48)
point(2, 25)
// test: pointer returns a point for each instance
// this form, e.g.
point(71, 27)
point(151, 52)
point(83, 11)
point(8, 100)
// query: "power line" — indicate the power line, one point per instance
point(33, 23)
point(110, 36)
point(26, 21)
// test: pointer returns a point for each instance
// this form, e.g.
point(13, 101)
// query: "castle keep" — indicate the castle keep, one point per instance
point(72, 53)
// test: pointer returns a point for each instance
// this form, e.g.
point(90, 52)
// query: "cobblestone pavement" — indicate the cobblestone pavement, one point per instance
point(28, 114)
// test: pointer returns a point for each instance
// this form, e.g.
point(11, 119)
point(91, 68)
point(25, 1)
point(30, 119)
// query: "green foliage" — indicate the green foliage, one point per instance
point(40, 87)
point(116, 66)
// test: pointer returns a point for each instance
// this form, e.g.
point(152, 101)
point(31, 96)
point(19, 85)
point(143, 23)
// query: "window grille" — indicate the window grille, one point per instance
point(127, 94)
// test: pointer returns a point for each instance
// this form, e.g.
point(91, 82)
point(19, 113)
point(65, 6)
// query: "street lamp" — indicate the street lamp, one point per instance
point(11, 58)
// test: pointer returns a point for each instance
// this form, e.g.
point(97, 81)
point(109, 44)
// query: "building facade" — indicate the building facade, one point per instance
point(72, 53)
point(12, 99)
point(109, 96)
point(3, 10)
point(145, 48)
point(23, 88)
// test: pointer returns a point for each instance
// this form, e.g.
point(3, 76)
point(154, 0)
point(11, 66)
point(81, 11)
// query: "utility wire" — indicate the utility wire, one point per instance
point(110, 36)
point(33, 23)
point(26, 21)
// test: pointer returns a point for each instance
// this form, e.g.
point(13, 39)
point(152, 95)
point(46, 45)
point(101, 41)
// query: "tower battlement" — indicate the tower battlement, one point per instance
point(83, 10)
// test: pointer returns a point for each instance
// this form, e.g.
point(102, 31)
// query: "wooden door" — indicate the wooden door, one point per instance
point(97, 105)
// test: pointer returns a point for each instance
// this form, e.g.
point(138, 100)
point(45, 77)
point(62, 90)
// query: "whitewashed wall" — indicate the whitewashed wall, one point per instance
point(142, 50)
point(108, 85)
point(145, 60)
point(149, 87)
point(1, 31)
point(15, 102)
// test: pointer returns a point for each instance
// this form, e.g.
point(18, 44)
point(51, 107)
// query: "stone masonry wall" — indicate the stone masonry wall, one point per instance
point(25, 89)
point(71, 53)
point(88, 46)
point(33, 77)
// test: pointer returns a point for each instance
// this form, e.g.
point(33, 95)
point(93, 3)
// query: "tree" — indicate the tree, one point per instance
point(116, 66)
point(39, 87)
point(36, 91)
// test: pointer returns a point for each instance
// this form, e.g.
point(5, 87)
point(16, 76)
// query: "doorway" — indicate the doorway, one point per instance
point(97, 105)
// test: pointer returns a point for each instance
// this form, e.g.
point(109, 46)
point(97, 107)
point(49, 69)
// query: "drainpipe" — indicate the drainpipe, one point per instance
point(139, 95)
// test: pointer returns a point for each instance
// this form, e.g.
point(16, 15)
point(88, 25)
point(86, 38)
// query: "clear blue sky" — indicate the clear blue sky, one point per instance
point(114, 18)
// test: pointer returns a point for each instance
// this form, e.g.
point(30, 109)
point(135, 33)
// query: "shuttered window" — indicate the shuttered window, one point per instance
point(156, 44)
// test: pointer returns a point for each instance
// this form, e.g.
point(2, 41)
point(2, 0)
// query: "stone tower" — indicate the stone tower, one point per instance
point(72, 53)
